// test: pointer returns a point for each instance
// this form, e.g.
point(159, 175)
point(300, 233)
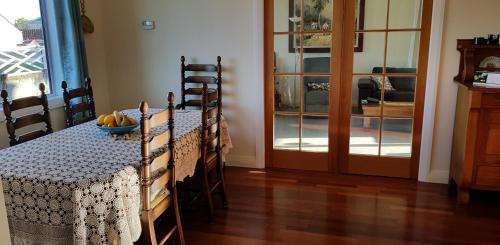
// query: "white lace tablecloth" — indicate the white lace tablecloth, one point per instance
point(81, 186)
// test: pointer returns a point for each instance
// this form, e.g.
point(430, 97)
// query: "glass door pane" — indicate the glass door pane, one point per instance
point(302, 80)
point(287, 97)
point(282, 14)
point(384, 80)
point(286, 132)
point(314, 133)
point(396, 137)
point(364, 135)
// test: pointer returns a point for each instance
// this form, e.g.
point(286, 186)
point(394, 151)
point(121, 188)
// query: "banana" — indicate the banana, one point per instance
point(125, 121)
point(118, 117)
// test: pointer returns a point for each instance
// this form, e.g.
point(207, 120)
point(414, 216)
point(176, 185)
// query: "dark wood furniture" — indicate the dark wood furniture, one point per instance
point(16, 123)
point(471, 56)
point(79, 104)
point(211, 155)
point(475, 160)
point(190, 87)
point(158, 191)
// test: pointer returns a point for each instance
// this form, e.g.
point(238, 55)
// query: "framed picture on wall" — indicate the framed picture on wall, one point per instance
point(318, 18)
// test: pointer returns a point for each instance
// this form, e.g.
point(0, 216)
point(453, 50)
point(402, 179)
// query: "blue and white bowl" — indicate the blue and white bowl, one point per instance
point(119, 130)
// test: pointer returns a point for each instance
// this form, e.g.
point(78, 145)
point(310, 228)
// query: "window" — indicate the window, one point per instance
point(24, 61)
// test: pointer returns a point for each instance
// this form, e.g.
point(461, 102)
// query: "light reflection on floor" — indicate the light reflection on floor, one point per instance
point(396, 136)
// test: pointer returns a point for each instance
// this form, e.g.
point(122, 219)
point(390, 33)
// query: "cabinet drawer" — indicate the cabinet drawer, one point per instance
point(488, 176)
point(490, 100)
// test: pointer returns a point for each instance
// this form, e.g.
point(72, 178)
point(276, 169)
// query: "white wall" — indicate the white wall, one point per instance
point(145, 65)
point(96, 57)
point(463, 19)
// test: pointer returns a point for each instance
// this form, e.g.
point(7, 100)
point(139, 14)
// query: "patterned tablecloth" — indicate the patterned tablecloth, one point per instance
point(81, 186)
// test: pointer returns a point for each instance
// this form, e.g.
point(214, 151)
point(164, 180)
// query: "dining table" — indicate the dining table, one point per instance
point(79, 185)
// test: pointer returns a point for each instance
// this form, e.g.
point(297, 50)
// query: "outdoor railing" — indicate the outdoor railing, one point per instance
point(22, 70)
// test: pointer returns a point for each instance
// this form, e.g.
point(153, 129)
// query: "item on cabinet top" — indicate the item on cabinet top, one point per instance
point(485, 85)
point(493, 39)
point(480, 76)
point(490, 62)
point(493, 78)
point(480, 41)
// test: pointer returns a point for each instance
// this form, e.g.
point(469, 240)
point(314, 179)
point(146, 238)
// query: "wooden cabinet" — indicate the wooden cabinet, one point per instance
point(475, 160)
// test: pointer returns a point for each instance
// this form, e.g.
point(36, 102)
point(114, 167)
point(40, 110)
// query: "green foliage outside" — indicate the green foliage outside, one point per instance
point(21, 22)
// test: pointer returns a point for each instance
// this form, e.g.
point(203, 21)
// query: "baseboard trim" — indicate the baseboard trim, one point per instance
point(438, 176)
point(241, 161)
point(435, 176)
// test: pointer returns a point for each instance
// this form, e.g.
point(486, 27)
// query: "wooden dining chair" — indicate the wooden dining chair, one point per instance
point(191, 90)
point(211, 154)
point(158, 191)
point(14, 124)
point(79, 104)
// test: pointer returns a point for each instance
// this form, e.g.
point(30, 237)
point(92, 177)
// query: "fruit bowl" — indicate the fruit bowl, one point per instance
point(118, 130)
point(117, 123)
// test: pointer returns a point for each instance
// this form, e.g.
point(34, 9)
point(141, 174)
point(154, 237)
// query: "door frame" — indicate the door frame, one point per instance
point(339, 123)
point(425, 173)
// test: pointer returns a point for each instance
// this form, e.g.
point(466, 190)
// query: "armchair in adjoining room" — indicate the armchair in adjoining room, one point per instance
point(403, 86)
point(316, 88)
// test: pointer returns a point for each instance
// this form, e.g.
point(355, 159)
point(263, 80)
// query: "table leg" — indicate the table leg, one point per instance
point(366, 122)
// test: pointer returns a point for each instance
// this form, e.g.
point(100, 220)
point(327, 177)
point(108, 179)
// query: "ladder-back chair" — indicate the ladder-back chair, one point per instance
point(191, 82)
point(14, 124)
point(211, 154)
point(157, 172)
point(79, 104)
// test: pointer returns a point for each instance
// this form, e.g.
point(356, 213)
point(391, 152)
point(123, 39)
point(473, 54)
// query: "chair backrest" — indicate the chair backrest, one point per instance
point(79, 104)
point(400, 83)
point(157, 168)
point(317, 64)
point(190, 82)
point(211, 118)
point(16, 123)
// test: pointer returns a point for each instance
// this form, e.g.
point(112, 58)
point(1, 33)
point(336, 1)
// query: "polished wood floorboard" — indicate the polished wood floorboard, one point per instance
point(282, 207)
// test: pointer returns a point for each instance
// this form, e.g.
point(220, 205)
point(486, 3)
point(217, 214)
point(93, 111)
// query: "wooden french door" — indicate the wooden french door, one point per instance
point(345, 83)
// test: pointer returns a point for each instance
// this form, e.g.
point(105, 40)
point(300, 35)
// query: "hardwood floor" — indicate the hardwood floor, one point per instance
point(281, 207)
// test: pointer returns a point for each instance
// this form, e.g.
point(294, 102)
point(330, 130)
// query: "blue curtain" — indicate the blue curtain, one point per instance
point(71, 42)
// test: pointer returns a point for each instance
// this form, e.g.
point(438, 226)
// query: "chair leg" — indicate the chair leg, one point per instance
point(180, 232)
point(148, 229)
point(181, 194)
point(220, 173)
point(208, 195)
